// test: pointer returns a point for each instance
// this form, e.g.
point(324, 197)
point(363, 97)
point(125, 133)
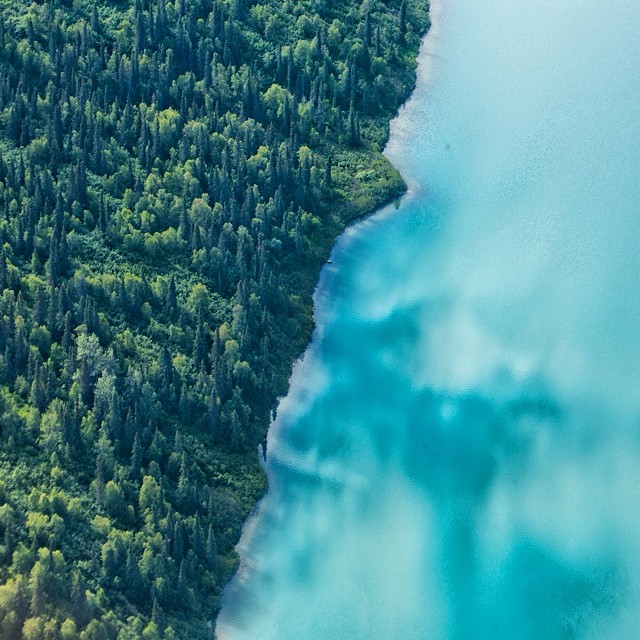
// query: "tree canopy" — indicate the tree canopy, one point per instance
point(172, 175)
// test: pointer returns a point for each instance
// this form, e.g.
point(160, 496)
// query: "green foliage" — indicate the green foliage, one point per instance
point(172, 177)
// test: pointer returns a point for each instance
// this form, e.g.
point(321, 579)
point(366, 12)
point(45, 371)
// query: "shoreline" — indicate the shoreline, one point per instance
point(399, 127)
point(349, 223)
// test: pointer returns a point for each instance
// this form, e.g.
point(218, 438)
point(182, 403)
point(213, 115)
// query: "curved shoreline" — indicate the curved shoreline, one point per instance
point(400, 129)
point(479, 504)
point(353, 224)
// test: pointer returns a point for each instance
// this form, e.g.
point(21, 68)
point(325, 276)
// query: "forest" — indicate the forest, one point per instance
point(172, 177)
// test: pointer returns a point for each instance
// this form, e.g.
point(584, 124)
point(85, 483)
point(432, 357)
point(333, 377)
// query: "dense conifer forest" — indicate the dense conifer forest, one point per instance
point(172, 176)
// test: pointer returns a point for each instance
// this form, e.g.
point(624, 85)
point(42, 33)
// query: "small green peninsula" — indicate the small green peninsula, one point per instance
point(172, 177)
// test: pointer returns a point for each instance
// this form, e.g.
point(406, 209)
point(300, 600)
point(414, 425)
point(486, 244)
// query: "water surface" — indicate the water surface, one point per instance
point(459, 454)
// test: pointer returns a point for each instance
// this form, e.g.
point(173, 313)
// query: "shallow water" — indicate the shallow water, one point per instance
point(459, 454)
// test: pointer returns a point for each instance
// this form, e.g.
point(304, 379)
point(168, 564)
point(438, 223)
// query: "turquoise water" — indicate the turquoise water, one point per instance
point(459, 454)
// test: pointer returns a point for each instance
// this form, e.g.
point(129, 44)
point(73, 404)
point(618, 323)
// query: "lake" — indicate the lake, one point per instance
point(459, 453)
